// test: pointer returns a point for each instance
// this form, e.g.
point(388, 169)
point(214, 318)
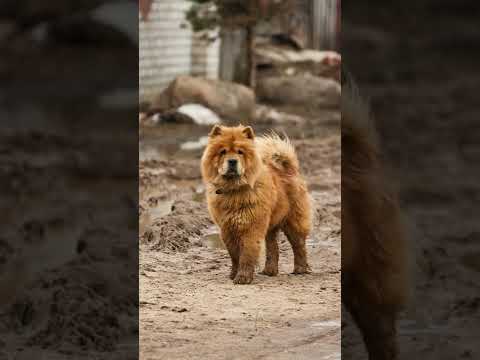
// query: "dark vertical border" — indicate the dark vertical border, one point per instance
point(69, 179)
point(416, 63)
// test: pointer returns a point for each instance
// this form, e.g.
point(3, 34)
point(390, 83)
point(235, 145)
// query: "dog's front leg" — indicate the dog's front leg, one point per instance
point(249, 253)
point(233, 246)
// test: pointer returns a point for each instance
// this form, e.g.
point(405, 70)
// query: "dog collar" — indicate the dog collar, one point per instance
point(220, 191)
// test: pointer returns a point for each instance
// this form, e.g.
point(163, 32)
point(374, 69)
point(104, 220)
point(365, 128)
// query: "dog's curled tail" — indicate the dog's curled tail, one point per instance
point(279, 153)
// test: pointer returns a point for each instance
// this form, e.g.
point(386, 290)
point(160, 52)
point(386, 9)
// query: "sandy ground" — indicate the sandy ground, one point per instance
point(190, 309)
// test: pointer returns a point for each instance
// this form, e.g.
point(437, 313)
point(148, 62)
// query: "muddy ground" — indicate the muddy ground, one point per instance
point(68, 234)
point(67, 268)
point(189, 308)
point(418, 63)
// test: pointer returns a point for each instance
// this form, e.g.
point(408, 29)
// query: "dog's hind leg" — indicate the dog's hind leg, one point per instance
point(296, 233)
point(271, 261)
point(297, 227)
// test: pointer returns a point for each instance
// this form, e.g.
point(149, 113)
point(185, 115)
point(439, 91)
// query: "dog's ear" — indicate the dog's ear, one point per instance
point(248, 132)
point(216, 130)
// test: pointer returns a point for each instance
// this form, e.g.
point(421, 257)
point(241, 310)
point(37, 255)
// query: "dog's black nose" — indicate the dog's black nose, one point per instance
point(232, 163)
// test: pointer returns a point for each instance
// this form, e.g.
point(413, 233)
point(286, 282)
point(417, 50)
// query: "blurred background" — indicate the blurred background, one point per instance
point(68, 175)
point(417, 63)
point(169, 46)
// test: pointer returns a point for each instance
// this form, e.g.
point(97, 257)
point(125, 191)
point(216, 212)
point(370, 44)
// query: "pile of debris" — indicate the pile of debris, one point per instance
point(286, 76)
point(201, 101)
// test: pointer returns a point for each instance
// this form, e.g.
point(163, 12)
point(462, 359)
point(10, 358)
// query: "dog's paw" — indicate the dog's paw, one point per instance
point(243, 278)
point(233, 273)
point(302, 269)
point(270, 272)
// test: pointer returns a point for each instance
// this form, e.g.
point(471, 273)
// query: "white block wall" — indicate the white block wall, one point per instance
point(167, 48)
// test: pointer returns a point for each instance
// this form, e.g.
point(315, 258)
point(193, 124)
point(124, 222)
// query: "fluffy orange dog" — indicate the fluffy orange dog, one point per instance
point(254, 189)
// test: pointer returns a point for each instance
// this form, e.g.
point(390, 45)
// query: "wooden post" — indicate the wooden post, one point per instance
point(251, 63)
point(316, 24)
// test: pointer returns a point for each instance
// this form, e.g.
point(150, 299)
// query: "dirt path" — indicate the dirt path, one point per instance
point(190, 309)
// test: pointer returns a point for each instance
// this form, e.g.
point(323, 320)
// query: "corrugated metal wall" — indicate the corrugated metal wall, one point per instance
point(168, 48)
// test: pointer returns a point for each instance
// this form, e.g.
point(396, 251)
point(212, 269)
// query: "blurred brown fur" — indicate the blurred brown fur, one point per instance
point(374, 246)
point(254, 190)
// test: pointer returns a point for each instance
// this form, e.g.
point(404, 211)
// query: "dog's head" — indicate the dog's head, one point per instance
point(230, 159)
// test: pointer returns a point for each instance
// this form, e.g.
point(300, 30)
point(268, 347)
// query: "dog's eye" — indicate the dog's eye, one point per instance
point(223, 152)
point(240, 152)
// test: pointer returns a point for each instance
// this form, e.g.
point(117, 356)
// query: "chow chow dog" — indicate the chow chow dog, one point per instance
point(254, 190)
point(375, 284)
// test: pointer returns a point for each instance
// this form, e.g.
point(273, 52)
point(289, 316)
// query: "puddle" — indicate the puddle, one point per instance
point(179, 139)
point(162, 209)
point(143, 223)
point(212, 239)
point(198, 197)
point(471, 261)
point(168, 139)
point(199, 194)
point(59, 248)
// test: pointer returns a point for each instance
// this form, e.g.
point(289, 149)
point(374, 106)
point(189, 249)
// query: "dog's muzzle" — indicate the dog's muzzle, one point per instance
point(232, 169)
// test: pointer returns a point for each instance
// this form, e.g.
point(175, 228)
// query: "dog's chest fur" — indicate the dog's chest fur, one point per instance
point(242, 209)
